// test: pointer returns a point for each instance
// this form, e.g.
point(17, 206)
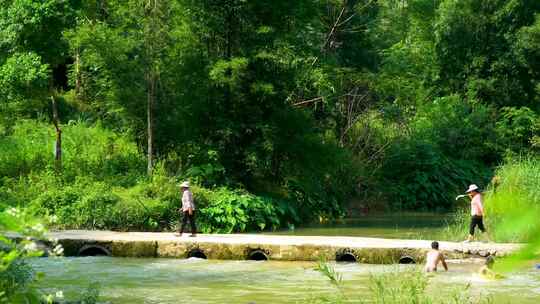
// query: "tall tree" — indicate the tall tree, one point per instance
point(119, 51)
point(32, 48)
point(474, 46)
point(155, 42)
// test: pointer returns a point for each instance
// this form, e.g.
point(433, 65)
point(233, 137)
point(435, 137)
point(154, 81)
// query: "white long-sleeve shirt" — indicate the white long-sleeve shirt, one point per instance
point(187, 201)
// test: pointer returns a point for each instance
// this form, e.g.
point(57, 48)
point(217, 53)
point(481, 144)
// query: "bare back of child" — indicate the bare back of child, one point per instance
point(433, 257)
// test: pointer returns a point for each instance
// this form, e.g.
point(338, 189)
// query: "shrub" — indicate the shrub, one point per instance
point(87, 151)
point(84, 204)
point(321, 180)
point(104, 185)
point(517, 129)
point(152, 205)
point(420, 177)
point(515, 189)
point(224, 210)
point(441, 152)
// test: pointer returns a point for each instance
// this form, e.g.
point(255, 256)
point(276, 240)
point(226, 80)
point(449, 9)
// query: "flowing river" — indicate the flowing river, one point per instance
point(152, 281)
point(130, 281)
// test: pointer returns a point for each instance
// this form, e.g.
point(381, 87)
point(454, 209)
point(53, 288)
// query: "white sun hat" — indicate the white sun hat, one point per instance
point(472, 188)
point(184, 185)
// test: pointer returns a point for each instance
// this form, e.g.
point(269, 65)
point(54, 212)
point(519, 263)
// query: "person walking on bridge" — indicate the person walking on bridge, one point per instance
point(477, 211)
point(188, 210)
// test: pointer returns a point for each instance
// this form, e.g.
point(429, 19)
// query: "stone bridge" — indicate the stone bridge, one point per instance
point(264, 247)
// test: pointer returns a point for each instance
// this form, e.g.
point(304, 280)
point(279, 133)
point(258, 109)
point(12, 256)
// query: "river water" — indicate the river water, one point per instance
point(399, 225)
point(152, 281)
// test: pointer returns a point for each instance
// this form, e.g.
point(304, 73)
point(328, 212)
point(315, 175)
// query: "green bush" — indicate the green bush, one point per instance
point(90, 204)
point(87, 151)
point(224, 210)
point(27, 149)
point(420, 177)
point(441, 152)
point(152, 205)
point(517, 129)
point(321, 179)
point(103, 184)
point(83, 204)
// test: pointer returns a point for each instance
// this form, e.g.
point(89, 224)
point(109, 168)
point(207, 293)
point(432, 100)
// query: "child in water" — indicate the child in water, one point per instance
point(434, 256)
point(487, 270)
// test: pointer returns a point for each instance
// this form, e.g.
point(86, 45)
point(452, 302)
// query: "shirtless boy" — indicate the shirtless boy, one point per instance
point(434, 256)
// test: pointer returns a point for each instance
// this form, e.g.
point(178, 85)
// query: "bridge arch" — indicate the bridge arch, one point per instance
point(407, 259)
point(257, 255)
point(346, 256)
point(93, 250)
point(196, 253)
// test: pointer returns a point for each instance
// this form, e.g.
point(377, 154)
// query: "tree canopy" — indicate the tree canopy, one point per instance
point(398, 103)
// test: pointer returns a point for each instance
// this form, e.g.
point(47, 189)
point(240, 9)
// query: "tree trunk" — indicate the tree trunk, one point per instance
point(102, 10)
point(58, 145)
point(78, 80)
point(228, 47)
point(151, 82)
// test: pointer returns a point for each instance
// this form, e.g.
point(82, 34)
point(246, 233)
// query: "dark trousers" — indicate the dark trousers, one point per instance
point(477, 220)
point(185, 219)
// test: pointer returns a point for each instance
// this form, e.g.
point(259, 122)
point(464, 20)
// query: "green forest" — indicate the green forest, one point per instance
point(279, 112)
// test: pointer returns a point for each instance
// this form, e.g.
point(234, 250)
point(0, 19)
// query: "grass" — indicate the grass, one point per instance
point(513, 209)
point(512, 206)
point(455, 229)
point(411, 285)
point(328, 271)
point(513, 202)
point(399, 285)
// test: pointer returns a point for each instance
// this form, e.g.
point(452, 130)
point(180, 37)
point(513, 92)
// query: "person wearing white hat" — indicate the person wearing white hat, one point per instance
point(477, 211)
point(188, 210)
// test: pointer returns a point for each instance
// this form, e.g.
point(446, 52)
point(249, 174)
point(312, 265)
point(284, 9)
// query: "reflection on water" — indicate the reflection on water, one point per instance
point(402, 225)
point(155, 281)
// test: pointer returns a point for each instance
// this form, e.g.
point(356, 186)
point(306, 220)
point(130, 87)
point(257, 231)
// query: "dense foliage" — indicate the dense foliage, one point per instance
point(279, 111)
